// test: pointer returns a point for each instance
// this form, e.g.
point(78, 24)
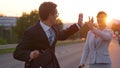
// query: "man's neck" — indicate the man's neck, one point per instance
point(48, 23)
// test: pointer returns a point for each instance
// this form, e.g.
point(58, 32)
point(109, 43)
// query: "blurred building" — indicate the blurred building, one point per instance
point(8, 22)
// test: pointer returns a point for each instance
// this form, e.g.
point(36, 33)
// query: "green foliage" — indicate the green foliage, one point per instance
point(75, 36)
point(5, 51)
point(3, 41)
point(25, 21)
point(3, 33)
point(115, 27)
point(2, 26)
point(67, 42)
point(84, 30)
point(59, 24)
point(1, 15)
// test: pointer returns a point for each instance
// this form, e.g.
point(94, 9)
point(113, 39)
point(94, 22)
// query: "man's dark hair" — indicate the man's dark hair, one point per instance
point(45, 9)
point(102, 13)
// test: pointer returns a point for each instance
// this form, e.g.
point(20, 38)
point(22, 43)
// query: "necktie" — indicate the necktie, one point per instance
point(51, 36)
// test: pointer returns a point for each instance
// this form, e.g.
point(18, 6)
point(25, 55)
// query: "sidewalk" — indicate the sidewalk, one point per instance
point(68, 56)
point(114, 53)
point(8, 46)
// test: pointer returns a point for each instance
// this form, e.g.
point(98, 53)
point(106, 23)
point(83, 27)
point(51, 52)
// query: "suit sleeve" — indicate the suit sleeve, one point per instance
point(23, 49)
point(64, 34)
point(85, 50)
point(105, 35)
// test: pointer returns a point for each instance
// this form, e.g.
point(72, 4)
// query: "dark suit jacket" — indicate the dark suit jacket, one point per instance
point(34, 38)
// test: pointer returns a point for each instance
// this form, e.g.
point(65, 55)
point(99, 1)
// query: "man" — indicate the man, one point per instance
point(37, 47)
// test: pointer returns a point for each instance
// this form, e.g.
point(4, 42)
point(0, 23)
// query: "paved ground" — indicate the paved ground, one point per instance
point(8, 46)
point(68, 56)
point(115, 54)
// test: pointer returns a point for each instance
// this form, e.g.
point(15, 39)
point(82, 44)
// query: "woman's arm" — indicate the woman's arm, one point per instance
point(85, 50)
point(105, 35)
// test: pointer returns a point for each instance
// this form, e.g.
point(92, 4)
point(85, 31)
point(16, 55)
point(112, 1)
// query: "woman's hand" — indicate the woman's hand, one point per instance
point(90, 23)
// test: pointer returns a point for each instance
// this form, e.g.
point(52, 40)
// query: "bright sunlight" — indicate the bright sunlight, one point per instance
point(68, 11)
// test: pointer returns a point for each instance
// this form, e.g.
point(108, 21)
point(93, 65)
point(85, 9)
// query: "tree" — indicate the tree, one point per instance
point(59, 24)
point(115, 27)
point(25, 21)
point(2, 30)
point(1, 15)
point(3, 35)
point(84, 30)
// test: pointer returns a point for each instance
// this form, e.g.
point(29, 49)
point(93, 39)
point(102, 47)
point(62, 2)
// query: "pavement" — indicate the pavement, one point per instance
point(114, 50)
point(8, 46)
point(68, 56)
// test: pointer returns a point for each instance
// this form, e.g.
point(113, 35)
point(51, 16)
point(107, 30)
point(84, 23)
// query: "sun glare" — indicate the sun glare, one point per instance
point(108, 20)
point(68, 10)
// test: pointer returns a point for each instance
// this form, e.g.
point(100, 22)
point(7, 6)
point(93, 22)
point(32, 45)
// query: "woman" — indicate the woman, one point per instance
point(97, 43)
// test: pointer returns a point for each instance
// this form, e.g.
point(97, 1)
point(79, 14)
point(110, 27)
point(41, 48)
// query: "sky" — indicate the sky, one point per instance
point(68, 9)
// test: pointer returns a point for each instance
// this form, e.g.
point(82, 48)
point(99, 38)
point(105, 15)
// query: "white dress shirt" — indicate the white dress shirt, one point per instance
point(45, 28)
point(47, 32)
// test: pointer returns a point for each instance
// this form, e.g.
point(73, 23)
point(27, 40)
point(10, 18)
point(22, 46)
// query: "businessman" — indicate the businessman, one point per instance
point(37, 47)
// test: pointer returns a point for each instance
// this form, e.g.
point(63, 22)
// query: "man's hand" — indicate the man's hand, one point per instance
point(34, 54)
point(80, 20)
point(81, 66)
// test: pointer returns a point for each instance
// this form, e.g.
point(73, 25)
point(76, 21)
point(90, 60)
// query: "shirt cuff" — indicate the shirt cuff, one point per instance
point(78, 26)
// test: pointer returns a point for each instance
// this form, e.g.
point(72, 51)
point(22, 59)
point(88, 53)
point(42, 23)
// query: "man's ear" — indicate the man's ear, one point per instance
point(49, 16)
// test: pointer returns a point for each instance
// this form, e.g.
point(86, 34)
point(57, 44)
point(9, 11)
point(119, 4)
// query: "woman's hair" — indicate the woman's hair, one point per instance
point(102, 13)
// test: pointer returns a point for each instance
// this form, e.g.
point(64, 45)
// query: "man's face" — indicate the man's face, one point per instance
point(53, 17)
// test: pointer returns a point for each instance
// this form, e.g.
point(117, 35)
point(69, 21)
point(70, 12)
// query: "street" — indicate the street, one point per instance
point(68, 56)
point(114, 53)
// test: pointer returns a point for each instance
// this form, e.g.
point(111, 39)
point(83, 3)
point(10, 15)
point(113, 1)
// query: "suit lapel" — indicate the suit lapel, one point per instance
point(42, 34)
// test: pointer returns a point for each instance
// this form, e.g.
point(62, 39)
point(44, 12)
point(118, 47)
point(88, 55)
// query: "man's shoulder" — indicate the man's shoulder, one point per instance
point(30, 28)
